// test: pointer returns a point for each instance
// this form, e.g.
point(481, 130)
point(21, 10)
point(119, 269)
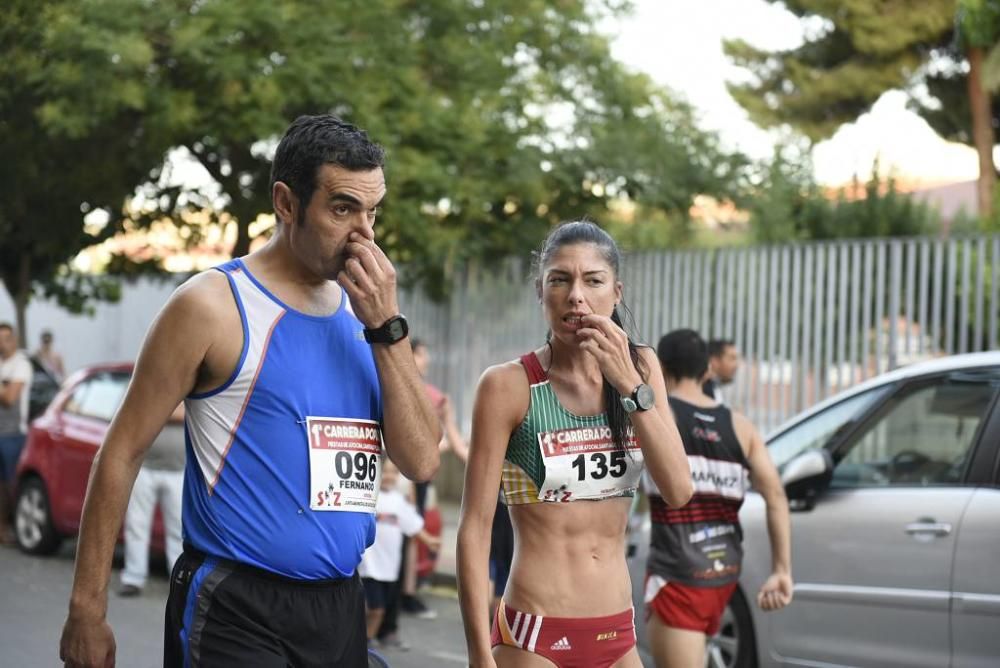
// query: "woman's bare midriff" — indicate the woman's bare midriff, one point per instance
point(570, 559)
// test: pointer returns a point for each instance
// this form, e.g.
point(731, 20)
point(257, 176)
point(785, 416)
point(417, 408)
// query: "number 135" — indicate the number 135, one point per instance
point(600, 468)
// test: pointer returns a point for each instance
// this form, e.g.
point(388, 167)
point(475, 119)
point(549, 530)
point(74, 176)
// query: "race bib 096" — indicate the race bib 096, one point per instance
point(583, 463)
point(345, 464)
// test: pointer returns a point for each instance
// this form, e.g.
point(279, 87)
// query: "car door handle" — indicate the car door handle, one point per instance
point(928, 528)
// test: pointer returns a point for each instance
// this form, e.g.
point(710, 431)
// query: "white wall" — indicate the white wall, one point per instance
point(114, 333)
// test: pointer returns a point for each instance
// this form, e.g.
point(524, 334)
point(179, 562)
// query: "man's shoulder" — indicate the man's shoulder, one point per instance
point(202, 296)
point(744, 428)
point(207, 283)
point(17, 365)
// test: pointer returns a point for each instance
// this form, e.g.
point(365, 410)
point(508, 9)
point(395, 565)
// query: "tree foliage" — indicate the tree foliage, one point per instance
point(856, 50)
point(50, 180)
point(791, 206)
point(500, 118)
point(853, 51)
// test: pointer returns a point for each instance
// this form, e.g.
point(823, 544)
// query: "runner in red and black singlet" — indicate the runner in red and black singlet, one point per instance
point(696, 550)
point(700, 544)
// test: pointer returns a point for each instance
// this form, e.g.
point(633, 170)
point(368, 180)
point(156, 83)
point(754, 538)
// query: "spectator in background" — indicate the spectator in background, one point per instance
point(15, 379)
point(160, 482)
point(442, 404)
point(49, 358)
point(395, 518)
point(723, 363)
point(422, 495)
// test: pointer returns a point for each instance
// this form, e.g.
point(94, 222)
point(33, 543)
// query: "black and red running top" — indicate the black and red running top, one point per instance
point(701, 543)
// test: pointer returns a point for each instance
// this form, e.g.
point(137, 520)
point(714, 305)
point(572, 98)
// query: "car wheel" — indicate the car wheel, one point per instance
point(33, 519)
point(734, 645)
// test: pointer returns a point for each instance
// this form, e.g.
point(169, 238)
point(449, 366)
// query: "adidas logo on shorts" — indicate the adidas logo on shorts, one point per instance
point(562, 643)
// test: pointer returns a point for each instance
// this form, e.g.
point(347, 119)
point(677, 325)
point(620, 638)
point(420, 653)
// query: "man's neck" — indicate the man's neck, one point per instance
point(689, 390)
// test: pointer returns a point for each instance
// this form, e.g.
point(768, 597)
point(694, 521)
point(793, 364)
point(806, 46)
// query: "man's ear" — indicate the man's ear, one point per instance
point(285, 202)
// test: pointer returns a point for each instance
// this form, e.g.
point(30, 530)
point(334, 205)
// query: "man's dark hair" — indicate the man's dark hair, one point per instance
point(716, 347)
point(6, 325)
point(683, 354)
point(313, 141)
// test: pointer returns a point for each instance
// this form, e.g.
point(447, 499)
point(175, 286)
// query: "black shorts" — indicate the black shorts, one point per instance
point(421, 492)
point(377, 593)
point(225, 614)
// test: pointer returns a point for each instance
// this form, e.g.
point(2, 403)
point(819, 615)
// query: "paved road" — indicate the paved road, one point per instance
point(34, 593)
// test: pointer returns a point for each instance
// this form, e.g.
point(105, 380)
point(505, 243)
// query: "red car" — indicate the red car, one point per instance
point(54, 467)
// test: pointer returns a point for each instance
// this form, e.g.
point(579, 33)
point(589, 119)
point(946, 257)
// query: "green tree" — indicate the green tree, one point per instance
point(978, 26)
point(791, 206)
point(50, 180)
point(499, 117)
point(856, 50)
point(788, 201)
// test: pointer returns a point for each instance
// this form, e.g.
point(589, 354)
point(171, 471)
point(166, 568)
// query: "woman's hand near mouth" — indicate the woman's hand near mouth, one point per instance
point(607, 342)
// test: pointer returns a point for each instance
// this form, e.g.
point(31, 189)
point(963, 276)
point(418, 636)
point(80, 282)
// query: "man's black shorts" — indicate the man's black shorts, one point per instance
point(223, 614)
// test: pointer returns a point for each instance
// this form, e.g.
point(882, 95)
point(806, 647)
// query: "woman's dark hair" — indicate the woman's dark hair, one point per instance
point(313, 141)
point(586, 232)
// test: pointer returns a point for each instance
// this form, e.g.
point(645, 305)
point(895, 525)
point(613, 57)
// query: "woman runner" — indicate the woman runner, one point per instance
point(565, 432)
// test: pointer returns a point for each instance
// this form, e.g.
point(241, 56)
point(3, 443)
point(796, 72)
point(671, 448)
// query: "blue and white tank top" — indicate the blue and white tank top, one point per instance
point(247, 481)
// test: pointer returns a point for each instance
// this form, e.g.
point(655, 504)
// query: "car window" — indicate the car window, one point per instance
point(817, 430)
point(98, 397)
point(924, 438)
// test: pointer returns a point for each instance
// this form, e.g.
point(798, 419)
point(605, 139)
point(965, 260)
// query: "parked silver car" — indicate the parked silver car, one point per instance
point(895, 493)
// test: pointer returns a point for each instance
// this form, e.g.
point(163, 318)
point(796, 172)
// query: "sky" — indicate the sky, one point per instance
point(679, 44)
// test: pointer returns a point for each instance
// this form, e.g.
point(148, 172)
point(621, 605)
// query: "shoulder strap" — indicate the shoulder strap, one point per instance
point(532, 367)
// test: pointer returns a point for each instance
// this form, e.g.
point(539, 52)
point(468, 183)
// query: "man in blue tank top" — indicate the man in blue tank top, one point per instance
point(295, 370)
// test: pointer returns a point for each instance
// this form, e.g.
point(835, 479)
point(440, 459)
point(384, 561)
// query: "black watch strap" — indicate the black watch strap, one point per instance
point(393, 330)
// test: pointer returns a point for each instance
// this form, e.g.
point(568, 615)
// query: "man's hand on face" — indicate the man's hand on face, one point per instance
point(369, 279)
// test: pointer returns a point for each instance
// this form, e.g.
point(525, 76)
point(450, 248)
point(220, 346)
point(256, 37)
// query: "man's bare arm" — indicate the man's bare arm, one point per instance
point(777, 590)
point(165, 372)
point(11, 393)
point(411, 429)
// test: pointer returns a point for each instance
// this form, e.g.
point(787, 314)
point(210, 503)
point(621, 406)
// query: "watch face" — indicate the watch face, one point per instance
point(645, 397)
point(628, 404)
point(395, 329)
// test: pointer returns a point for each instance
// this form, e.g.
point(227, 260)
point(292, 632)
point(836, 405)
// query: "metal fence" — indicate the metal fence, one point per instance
point(810, 319)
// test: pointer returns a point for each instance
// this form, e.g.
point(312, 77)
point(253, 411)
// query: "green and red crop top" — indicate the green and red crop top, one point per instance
point(556, 456)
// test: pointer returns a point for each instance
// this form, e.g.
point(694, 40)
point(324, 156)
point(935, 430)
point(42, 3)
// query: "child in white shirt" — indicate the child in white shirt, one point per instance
point(379, 568)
